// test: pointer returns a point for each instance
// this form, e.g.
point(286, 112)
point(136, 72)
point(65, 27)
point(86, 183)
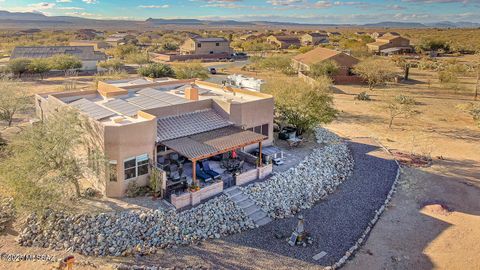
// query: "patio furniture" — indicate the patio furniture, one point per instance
point(201, 174)
point(208, 170)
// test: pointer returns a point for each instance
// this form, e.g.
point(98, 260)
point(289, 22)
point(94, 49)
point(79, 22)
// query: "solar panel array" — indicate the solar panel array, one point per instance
point(94, 110)
point(123, 107)
point(162, 96)
point(146, 102)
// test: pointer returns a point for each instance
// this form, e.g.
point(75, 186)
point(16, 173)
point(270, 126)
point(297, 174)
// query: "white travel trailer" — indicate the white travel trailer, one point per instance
point(242, 81)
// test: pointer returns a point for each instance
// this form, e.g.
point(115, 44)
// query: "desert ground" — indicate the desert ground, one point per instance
point(411, 234)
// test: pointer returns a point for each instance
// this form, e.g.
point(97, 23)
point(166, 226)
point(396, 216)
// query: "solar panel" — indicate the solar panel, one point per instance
point(162, 96)
point(146, 102)
point(122, 107)
point(95, 111)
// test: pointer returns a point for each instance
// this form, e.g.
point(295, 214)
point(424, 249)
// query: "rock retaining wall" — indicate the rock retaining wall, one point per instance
point(142, 232)
point(288, 192)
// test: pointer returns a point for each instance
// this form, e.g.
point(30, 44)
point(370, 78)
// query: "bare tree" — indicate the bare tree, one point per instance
point(12, 99)
point(400, 106)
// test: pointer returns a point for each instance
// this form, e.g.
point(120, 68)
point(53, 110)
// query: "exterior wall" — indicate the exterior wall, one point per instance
point(127, 141)
point(190, 46)
point(89, 65)
point(313, 40)
point(186, 57)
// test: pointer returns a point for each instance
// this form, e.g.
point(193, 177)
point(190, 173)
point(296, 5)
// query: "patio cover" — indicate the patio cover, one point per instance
point(214, 142)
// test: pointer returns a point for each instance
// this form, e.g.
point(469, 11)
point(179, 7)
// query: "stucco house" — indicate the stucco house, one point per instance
point(388, 44)
point(314, 38)
point(345, 62)
point(283, 42)
point(86, 54)
point(203, 46)
point(176, 127)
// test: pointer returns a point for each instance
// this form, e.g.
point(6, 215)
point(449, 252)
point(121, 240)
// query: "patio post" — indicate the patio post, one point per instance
point(194, 172)
point(260, 154)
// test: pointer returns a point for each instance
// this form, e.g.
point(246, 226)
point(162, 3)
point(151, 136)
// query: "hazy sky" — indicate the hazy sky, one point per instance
point(305, 11)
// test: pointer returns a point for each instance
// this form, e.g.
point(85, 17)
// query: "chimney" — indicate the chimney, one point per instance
point(191, 93)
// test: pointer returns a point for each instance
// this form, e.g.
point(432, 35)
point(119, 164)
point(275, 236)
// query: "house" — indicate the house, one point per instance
point(173, 127)
point(390, 44)
point(205, 46)
point(332, 34)
point(376, 35)
point(98, 45)
point(121, 39)
point(88, 34)
point(283, 42)
point(345, 62)
point(314, 38)
point(86, 54)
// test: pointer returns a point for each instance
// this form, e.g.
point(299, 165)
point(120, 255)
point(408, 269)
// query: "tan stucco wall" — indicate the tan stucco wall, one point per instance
point(127, 141)
point(190, 47)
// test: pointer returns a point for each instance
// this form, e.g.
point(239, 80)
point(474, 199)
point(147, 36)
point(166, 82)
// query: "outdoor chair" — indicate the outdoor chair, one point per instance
point(201, 174)
point(208, 170)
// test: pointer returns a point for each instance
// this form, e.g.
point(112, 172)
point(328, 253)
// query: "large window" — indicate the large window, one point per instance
point(142, 165)
point(136, 166)
point(130, 168)
point(199, 45)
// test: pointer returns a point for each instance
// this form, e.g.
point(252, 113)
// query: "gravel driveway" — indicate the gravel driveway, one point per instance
point(338, 222)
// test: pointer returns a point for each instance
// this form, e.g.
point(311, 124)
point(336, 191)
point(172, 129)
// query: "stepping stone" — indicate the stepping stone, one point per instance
point(250, 210)
point(319, 256)
point(245, 204)
point(257, 215)
point(263, 221)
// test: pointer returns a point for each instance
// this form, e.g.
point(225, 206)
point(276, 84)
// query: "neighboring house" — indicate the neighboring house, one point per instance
point(390, 44)
point(345, 62)
point(204, 46)
point(314, 38)
point(88, 34)
point(171, 126)
point(86, 54)
point(98, 45)
point(121, 39)
point(332, 34)
point(283, 42)
point(376, 35)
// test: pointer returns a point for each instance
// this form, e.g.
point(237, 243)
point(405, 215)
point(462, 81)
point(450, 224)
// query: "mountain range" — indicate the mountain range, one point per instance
point(20, 20)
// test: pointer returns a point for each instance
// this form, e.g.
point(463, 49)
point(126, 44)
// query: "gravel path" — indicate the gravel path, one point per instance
point(338, 222)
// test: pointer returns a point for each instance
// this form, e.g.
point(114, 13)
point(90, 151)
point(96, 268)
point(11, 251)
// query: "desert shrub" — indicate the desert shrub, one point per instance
point(400, 106)
point(109, 75)
point(112, 64)
point(363, 96)
point(7, 212)
point(274, 63)
point(324, 68)
point(18, 66)
point(375, 71)
point(133, 190)
point(300, 104)
point(190, 71)
point(156, 70)
point(137, 58)
point(305, 49)
point(65, 62)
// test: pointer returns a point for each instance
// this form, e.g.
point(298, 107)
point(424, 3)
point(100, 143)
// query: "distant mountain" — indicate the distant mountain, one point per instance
point(395, 25)
point(20, 20)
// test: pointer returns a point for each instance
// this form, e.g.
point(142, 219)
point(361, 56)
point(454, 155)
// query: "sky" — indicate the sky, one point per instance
point(300, 11)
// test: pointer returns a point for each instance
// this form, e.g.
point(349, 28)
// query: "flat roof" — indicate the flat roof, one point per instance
point(143, 94)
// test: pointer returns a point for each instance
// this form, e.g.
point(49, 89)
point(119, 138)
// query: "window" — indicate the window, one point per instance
point(136, 166)
point(199, 45)
point(130, 168)
point(142, 165)
point(217, 44)
point(263, 129)
point(211, 52)
point(112, 170)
